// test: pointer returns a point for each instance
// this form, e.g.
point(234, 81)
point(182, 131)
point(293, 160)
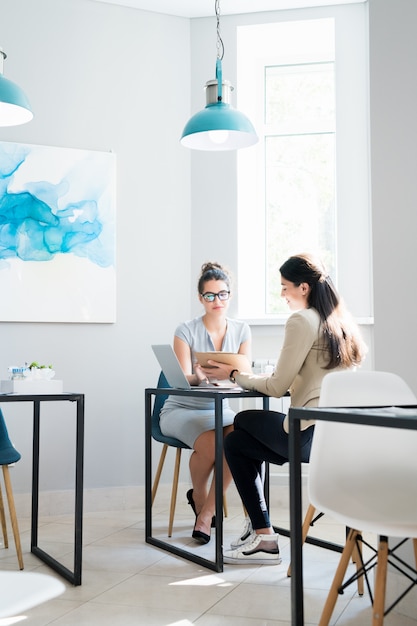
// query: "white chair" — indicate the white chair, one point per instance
point(366, 477)
point(357, 388)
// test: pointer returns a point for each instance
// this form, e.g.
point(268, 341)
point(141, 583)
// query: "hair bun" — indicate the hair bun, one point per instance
point(211, 265)
point(211, 270)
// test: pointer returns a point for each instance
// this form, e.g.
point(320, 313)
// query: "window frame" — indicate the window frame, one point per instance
point(353, 210)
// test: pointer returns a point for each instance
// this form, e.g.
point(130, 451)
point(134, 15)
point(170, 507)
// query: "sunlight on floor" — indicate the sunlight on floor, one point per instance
point(9, 621)
point(204, 581)
point(20, 591)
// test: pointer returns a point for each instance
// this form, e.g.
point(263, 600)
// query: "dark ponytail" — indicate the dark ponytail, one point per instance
point(341, 333)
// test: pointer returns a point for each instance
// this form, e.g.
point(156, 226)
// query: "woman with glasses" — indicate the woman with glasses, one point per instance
point(320, 337)
point(191, 419)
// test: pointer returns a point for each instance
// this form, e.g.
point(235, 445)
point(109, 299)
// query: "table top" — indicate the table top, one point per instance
point(33, 397)
point(209, 392)
point(394, 416)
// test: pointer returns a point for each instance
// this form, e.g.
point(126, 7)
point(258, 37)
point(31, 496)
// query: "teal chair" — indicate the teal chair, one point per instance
point(8, 456)
point(166, 442)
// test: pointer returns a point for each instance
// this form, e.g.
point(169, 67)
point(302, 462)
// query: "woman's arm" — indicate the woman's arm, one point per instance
point(183, 352)
point(298, 340)
point(246, 349)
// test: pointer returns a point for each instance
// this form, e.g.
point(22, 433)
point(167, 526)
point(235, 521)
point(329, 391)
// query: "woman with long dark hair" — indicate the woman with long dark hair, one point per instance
point(320, 336)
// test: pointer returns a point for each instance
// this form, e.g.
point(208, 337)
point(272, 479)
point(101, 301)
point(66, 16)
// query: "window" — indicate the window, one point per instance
point(304, 187)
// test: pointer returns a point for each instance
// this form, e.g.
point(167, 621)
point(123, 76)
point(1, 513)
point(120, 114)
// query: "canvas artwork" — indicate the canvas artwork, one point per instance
point(57, 234)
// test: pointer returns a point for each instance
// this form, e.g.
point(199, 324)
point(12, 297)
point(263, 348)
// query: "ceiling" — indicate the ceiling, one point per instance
point(204, 8)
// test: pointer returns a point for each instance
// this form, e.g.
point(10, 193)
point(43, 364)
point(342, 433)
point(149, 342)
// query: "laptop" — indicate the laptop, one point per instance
point(176, 378)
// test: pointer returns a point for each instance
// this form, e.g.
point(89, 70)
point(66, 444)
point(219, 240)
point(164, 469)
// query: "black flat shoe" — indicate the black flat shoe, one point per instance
point(192, 505)
point(200, 537)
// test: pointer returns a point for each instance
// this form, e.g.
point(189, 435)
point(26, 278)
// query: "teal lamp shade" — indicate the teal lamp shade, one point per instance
point(14, 105)
point(219, 126)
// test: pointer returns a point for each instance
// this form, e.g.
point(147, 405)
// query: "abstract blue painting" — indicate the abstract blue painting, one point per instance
point(57, 234)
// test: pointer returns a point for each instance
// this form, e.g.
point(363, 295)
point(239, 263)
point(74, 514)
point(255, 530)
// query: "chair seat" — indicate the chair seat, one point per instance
point(8, 455)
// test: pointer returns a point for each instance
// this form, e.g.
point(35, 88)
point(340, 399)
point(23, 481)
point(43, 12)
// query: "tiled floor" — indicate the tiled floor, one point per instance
point(128, 582)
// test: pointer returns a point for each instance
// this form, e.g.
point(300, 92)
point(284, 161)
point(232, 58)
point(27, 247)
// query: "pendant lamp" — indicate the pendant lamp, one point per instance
point(219, 126)
point(14, 105)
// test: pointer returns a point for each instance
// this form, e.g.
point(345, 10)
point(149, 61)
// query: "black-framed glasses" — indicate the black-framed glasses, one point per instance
point(209, 296)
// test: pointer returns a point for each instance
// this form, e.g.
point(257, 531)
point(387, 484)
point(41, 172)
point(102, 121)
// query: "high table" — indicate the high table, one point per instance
point(74, 576)
point(218, 395)
point(372, 417)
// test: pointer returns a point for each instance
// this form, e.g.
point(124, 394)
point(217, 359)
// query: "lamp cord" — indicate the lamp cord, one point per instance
point(220, 44)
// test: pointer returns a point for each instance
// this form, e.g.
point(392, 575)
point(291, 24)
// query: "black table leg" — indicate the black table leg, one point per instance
point(35, 476)
point(297, 600)
point(75, 576)
point(218, 477)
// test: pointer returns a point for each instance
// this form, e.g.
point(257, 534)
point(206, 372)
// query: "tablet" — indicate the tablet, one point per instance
point(236, 361)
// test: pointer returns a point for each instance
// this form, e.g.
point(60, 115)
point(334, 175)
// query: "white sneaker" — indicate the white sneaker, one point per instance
point(245, 535)
point(262, 550)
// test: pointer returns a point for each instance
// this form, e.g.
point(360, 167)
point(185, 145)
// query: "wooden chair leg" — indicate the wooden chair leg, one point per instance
point(357, 559)
point(3, 521)
point(415, 550)
point(159, 471)
point(338, 578)
point(174, 491)
point(13, 516)
point(304, 531)
point(378, 606)
point(355, 555)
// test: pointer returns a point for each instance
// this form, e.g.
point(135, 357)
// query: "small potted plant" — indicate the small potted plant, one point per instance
point(40, 372)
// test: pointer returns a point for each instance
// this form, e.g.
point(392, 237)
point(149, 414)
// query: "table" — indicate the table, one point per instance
point(74, 576)
point(218, 396)
point(357, 416)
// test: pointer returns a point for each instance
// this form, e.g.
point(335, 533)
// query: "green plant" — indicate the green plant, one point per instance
point(35, 365)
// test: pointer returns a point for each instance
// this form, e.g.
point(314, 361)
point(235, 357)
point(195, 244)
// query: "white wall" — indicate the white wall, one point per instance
point(102, 77)
point(393, 105)
point(393, 102)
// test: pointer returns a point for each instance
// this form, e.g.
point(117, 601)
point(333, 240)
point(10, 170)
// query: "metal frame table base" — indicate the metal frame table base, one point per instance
point(74, 576)
point(218, 396)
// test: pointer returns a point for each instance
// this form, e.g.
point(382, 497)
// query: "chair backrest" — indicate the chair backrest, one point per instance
point(365, 476)
point(8, 453)
point(157, 407)
point(352, 388)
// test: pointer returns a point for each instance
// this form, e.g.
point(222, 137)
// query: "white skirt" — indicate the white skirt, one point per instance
point(186, 422)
